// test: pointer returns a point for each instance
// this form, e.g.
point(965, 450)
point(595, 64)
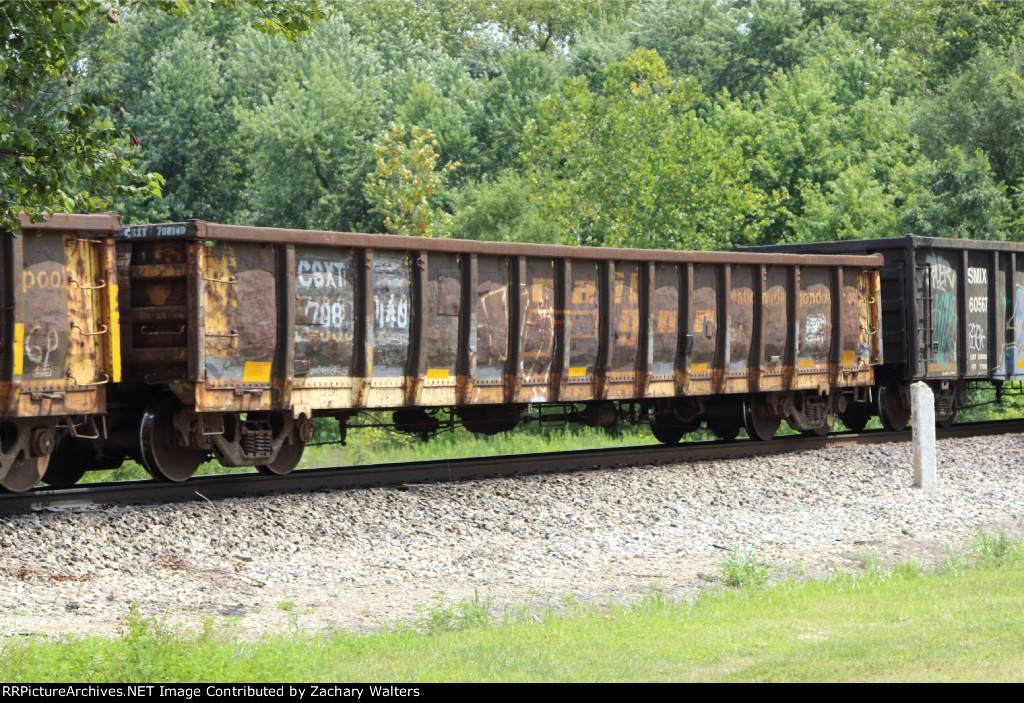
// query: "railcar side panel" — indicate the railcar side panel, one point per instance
point(1015, 317)
point(492, 303)
point(582, 321)
point(389, 334)
point(624, 321)
point(738, 361)
point(326, 327)
point(938, 307)
point(814, 322)
point(776, 367)
point(237, 344)
point(537, 331)
point(666, 375)
point(702, 335)
point(440, 341)
point(62, 305)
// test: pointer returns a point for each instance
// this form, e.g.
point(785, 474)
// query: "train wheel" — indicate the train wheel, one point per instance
point(727, 430)
point(823, 429)
point(892, 410)
point(667, 433)
point(855, 420)
point(23, 474)
point(64, 472)
point(760, 421)
point(946, 421)
point(68, 463)
point(162, 456)
point(287, 458)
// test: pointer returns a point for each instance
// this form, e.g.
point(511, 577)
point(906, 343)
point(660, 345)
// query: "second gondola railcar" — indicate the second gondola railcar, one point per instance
point(235, 337)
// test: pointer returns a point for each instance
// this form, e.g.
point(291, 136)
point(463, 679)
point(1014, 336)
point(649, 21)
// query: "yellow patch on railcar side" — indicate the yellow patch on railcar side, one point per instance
point(256, 372)
point(437, 374)
point(577, 371)
point(806, 363)
point(19, 348)
point(114, 325)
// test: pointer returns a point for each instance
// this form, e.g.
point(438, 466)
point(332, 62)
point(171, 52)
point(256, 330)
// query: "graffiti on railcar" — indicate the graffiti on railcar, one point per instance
point(625, 317)
point(741, 318)
point(583, 320)
point(775, 319)
point(45, 296)
point(324, 312)
point(538, 319)
point(391, 308)
point(443, 299)
point(814, 315)
point(945, 319)
point(665, 308)
point(492, 315)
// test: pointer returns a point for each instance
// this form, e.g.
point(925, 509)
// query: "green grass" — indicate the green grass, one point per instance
point(378, 446)
point(901, 624)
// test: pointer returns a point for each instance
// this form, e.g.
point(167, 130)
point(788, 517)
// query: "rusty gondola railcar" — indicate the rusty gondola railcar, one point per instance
point(953, 313)
point(235, 337)
point(60, 339)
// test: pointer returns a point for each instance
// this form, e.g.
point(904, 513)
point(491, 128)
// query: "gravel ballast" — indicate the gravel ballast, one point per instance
point(363, 559)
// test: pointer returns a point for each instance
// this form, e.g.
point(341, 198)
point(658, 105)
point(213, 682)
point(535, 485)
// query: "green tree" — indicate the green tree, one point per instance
point(503, 208)
point(638, 167)
point(833, 135)
point(957, 197)
point(509, 101)
point(735, 45)
point(405, 181)
point(308, 140)
point(982, 108)
point(64, 147)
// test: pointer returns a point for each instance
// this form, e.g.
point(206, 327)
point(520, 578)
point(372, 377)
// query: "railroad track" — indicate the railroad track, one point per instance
point(96, 496)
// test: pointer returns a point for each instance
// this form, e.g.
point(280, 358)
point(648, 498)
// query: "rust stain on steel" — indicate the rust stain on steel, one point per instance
point(325, 312)
point(482, 323)
point(392, 308)
point(88, 336)
point(740, 320)
point(209, 230)
point(240, 314)
point(444, 293)
point(814, 319)
point(625, 318)
point(538, 329)
point(57, 318)
point(492, 316)
point(44, 295)
point(98, 224)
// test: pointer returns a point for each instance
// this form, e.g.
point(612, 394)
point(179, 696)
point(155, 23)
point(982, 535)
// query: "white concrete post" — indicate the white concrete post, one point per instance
point(922, 406)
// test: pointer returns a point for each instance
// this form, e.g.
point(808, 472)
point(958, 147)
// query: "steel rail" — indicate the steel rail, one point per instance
point(87, 497)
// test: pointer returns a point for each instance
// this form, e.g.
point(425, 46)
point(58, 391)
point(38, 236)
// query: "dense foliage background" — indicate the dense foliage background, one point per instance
point(659, 123)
